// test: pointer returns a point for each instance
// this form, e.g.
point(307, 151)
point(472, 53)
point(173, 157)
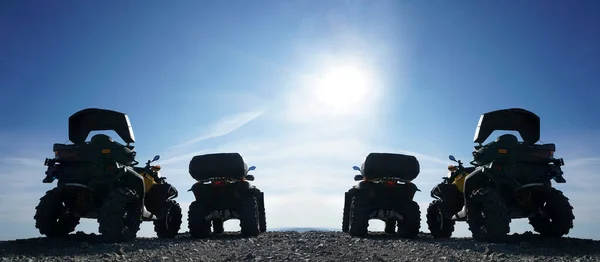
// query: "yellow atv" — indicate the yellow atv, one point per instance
point(448, 200)
point(160, 200)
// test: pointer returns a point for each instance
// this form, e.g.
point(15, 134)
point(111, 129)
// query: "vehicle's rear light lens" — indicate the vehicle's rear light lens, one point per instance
point(390, 183)
point(111, 166)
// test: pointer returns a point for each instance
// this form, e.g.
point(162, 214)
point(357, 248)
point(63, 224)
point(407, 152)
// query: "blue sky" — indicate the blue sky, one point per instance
point(304, 90)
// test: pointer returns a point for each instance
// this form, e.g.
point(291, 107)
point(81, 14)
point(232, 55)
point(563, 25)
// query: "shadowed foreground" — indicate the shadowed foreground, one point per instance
point(294, 246)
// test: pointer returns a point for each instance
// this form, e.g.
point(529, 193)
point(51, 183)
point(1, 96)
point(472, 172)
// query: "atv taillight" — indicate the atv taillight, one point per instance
point(390, 183)
point(111, 166)
point(218, 183)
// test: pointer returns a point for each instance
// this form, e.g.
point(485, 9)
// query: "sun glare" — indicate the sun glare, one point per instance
point(342, 88)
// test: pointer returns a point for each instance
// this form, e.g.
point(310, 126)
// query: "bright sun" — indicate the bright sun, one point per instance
point(342, 88)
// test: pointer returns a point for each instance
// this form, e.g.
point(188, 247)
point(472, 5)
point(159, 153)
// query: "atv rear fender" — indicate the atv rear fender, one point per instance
point(405, 191)
point(132, 180)
point(158, 194)
point(453, 199)
point(222, 195)
point(476, 180)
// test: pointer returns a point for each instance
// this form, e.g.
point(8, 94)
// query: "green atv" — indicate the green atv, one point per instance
point(222, 192)
point(385, 192)
point(511, 180)
point(98, 179)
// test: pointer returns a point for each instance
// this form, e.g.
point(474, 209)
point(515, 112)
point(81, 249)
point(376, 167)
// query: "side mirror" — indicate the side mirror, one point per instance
point(251, 168)
point(356, 168)
point(156, 157)
point(358, 178)
point(451, 157)
point(249, 177)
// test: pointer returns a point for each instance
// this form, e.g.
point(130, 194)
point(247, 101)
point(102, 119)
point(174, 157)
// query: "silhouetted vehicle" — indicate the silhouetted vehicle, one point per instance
point(222, 192)
point(97, 179)
point(511, 180)
point(385, 192)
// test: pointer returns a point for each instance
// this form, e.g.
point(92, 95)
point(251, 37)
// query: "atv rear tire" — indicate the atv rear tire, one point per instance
point(249, 216)
point(359, 217)
point(390, 226)
point(558, 216)
point(51, 217)
point(440, 226)
point(218, 226)
point(198, 225)
point(488, 216)
point(410, 225)
point(346, 214)
point(261, 212)
point(168, 225)
point(120, 216)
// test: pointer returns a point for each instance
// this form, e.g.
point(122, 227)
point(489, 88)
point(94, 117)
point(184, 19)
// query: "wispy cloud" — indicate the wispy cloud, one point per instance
point(224, 127)
point(22, 161)
point(583, 161)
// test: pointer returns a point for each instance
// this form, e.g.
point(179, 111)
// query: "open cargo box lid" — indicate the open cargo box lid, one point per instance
point(513, 119)
point(230, 165)
point(378, 165)
point(95, 119)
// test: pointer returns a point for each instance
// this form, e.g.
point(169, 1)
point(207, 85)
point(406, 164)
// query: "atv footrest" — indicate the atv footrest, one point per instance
point(222, 215)
point(383, 215)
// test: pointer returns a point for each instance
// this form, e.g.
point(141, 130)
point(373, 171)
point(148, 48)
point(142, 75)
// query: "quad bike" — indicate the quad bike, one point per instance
point(222, 192)
point(453, 187)
point(510, 180)
point(98, 180)
point(385, 192)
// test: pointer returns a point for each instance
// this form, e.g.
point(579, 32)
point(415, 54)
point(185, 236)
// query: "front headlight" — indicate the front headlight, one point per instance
point(449, 174)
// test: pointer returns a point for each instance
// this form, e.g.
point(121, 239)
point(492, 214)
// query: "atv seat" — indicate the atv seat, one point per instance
point(100, 146)
point(508, 147)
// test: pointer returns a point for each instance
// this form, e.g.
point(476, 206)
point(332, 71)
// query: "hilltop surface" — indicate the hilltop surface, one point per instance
point(295, 246)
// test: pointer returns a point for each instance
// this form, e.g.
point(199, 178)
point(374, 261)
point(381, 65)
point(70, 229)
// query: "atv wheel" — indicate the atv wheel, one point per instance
point(487, 216)
point(438, 222)
point(120, 216)
point(218, 226)
point(168, 225)
point(557, 217)
point(198, 225)
point(359, 217)
point(262, 215)
point(346, 214)
point(390, 226)
point(410, 224)
point(51, 217)
point(249, 216)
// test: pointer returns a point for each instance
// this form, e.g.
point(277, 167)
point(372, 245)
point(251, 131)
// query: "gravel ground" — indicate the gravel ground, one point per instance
point(293, 246)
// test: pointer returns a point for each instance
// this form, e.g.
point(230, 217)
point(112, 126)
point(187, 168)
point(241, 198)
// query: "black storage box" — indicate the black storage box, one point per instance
point(229, 165)
point(378, 165)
